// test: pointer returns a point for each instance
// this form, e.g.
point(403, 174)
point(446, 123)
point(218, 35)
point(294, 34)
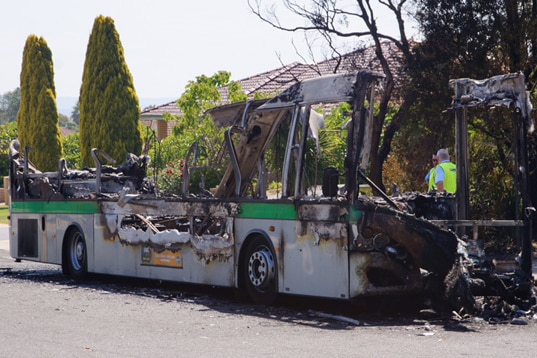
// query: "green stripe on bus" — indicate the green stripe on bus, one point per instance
point(268, 211)
point(54, 207)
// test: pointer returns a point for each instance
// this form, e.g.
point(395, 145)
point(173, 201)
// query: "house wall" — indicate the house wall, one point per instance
point(161, 127)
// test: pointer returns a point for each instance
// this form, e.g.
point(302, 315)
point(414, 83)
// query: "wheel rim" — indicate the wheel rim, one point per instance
point(78, 252)
point(261, 268)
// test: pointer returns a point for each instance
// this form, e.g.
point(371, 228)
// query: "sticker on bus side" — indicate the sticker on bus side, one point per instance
point(165, 258)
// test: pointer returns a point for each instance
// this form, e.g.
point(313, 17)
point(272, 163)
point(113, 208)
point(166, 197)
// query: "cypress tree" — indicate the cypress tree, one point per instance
point(38, 119)
point(46, 136)
point(109, 107)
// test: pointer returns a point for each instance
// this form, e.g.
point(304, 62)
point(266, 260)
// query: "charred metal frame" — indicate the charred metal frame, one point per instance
point(504, 90)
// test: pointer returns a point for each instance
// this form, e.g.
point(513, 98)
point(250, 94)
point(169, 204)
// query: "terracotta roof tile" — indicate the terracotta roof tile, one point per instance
point(66, 131)
point(170, 107)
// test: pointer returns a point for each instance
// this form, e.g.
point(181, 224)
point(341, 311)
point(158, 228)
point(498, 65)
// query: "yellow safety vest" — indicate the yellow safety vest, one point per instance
point(432, 179)
point(450, 177)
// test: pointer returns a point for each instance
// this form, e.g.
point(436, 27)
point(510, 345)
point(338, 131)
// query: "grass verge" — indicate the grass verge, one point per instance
point(4, 212)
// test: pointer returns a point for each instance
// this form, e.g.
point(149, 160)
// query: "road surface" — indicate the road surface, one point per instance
point(45, 314)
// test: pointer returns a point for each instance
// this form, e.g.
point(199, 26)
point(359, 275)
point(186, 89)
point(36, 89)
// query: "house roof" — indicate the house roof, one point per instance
point(274, 81)
point(66, 131)
point(159, 111)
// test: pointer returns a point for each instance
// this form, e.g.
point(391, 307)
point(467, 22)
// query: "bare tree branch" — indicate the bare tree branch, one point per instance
point(332, 21)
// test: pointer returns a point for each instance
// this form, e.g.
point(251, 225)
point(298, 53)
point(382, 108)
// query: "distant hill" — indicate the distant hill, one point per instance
point(66, 104)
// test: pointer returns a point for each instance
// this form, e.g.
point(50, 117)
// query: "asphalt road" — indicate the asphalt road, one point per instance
point(45, 314)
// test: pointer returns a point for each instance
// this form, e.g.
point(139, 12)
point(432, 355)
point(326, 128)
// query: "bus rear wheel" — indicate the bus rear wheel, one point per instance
point(260, 272)
point(76, 255)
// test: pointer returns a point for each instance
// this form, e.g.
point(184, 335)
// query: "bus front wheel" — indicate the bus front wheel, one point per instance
point(76, 256)
point(260, 272)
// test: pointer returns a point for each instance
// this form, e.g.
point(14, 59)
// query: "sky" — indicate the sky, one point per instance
point(166, 42)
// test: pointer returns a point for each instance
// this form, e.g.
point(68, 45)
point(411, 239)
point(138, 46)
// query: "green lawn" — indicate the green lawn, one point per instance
point(4, 212)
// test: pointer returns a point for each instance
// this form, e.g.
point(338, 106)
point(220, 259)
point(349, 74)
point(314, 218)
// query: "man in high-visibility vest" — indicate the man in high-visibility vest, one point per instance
point(446, 173)
point(430, 178)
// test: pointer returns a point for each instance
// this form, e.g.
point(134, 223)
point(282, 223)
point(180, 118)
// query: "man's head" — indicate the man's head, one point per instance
point(435, 159)
point(442, 154)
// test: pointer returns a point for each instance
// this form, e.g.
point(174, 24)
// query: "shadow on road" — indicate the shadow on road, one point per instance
point(305, 311)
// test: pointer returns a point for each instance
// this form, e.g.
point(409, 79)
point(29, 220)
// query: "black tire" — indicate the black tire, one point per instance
point(260, 272)
point(76, 255)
